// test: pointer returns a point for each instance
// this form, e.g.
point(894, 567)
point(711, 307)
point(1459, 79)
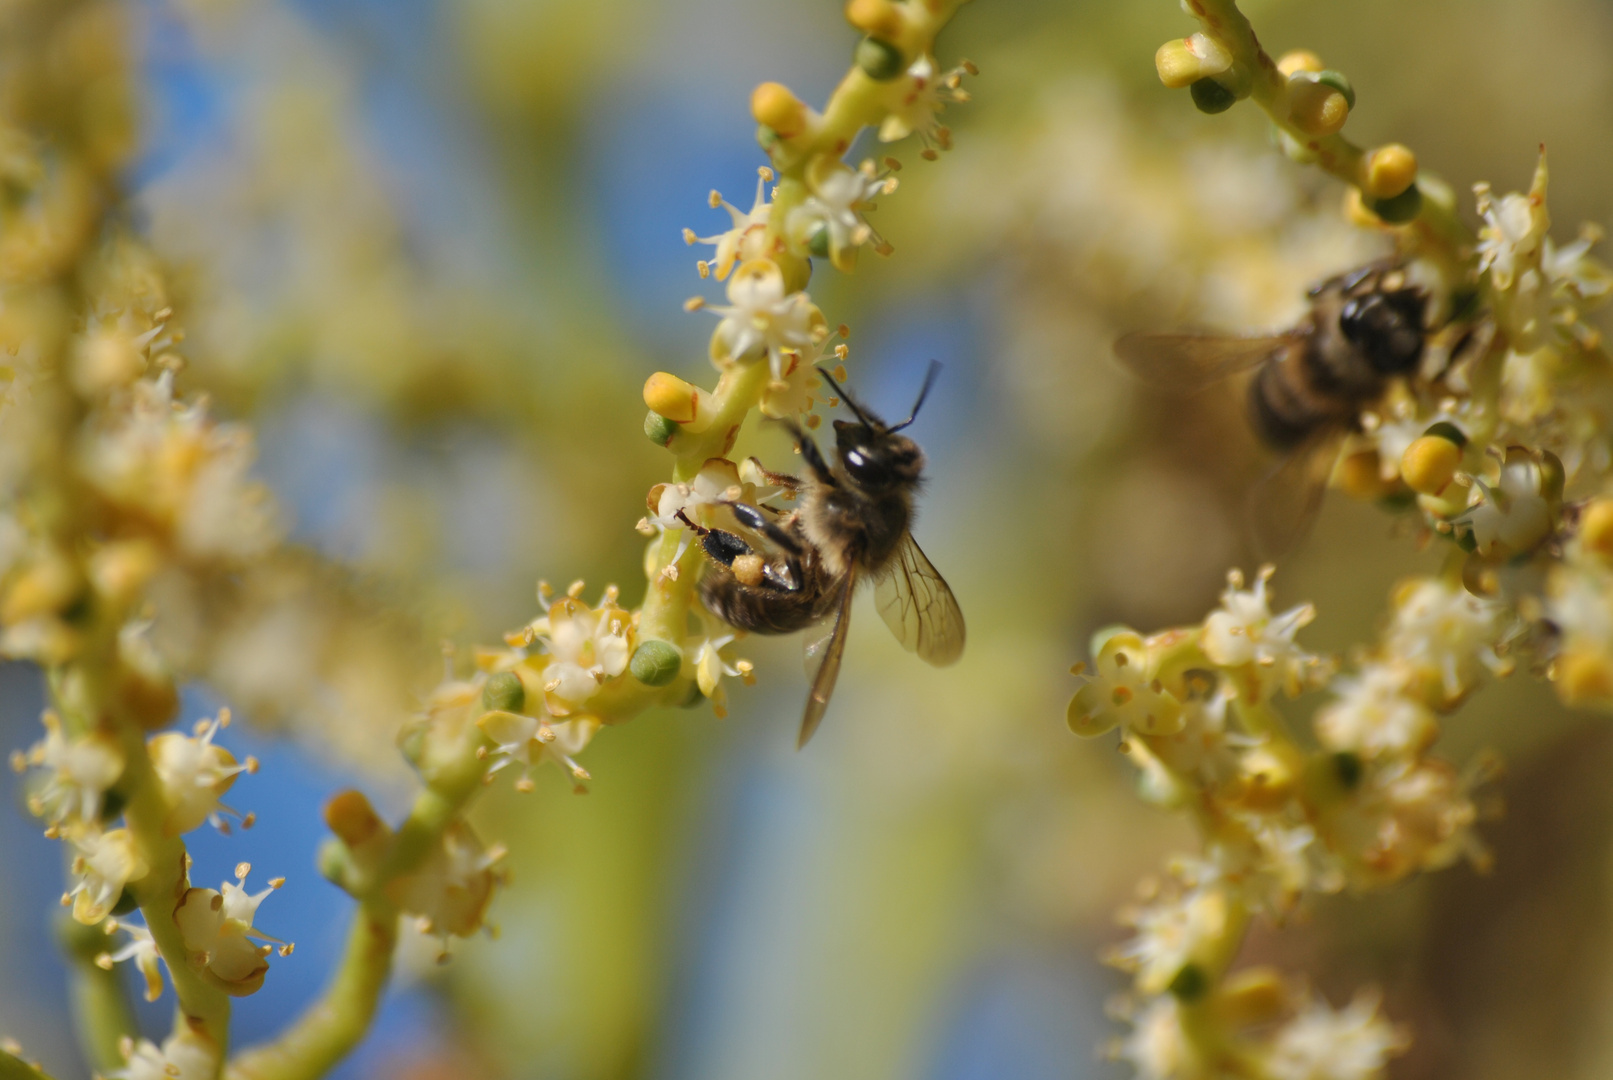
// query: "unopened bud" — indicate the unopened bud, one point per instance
point(1209, 96)
point(1390, 170)
point(1429, 464)
point(503, 693)
point(1400, 209)
point(775, 107)
point(351, 817)
point(1596, 528)
point(1316, 108)
point(656, 663)
point(1299, 60)
point(673, 398)
point(1584, 676)
point(1251, 997)
point(875, 17)
point(879, 59)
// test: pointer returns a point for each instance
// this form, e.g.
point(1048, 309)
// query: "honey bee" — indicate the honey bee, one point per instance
point(850, 526)
point(1364, 329)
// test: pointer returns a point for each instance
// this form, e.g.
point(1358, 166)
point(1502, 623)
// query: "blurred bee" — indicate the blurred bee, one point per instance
point(851, 526)
point(1364, 329)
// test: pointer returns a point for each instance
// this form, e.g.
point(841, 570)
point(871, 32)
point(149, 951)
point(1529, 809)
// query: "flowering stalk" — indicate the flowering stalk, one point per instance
point(1308, 105)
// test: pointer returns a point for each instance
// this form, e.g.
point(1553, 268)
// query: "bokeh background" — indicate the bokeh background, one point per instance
point(430, 249)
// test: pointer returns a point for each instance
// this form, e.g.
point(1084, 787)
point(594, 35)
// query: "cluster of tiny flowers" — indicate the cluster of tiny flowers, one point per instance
point(1367, 806)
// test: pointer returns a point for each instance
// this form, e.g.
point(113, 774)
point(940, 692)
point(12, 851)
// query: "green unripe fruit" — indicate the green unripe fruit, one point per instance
point(504, 693)
point(1400, 209)
point(879, 60)
point(1211, 97)
point(1449, 432)
point(126, 903)
point(1348, 768)
point(656, 663)
point(659, 429)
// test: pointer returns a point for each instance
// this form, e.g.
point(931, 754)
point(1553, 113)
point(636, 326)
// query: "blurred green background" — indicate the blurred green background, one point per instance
point(432, 249)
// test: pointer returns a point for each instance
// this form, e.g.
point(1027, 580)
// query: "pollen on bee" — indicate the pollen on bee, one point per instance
point(814, 421)
point(748, 569)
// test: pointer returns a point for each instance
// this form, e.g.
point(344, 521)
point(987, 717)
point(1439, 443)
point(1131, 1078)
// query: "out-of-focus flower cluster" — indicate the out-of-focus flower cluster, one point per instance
point(1360, 805)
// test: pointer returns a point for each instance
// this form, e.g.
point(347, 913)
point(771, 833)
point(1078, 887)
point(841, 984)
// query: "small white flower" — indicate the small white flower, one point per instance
point(219, 935)
point(830, 220)
point(195, 773)
point(1510, 236)
point(1354, 1043)
point(530, 741)
point(1444, 633)
point(1516, 512)
point(452, 888)
point(1171, 932)
point(142, 949)
point(746, 236)
point(184, 1055)
point(586, 646)
point(919, 110)
point(1123, 690)
point(1244, 634)
point(710, 666)
point(1376, 713)
point(1157, 1047)
point(105, 862)
point(762, 319)
point(79, 772)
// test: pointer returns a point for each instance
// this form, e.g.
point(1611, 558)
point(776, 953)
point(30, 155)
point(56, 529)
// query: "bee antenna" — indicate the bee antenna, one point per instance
point(851, 402)
point(924, 392)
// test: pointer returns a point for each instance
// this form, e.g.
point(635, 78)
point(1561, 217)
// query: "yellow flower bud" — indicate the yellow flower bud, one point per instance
point(1299, 60)
point(773, 105)
point(1584, 676)
point(877, 17)
point(1390, 170)
point(351, 817)
point(1316, 108)
point(1250, 997)
point(1430, 463)
point(1596, 528)
point(671, 397)
point(44, 588)
point(1360, 476)
point(1185, 61)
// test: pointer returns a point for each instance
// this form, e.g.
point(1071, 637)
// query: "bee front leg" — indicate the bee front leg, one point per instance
point(787, 481)
point(813, 457)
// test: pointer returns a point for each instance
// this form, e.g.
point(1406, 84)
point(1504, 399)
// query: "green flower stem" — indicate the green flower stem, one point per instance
point(335, 1023)
point(100, 1002)
point(1437, 226)
point(200, 1000)
point(14, 1068)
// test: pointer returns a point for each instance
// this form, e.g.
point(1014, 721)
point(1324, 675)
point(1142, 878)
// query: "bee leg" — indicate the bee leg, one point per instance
point(787, 481)
point(814, 457)
point(752, 518)
point(724, 548)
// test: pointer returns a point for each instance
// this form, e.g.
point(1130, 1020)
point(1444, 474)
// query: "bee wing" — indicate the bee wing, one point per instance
point(1187, 363)
point(1282, 506)
point(916, 604)
point(831, 651)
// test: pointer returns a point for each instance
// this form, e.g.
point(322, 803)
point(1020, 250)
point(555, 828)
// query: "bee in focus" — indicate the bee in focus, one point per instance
point(1364, 329)
point(850, 526)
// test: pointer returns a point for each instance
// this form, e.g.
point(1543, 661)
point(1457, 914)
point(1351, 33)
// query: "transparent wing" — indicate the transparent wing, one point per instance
point(1282, 506)
point(916, 604)
point(1187, 363)
point(823, 683)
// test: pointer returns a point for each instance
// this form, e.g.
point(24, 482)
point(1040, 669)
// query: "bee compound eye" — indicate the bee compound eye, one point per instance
point(865, 468)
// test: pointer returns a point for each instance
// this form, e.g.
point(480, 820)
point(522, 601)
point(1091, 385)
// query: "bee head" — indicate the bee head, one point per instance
point(875, 455)
point(1387, 328)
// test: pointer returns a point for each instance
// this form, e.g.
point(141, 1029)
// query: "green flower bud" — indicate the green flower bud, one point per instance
point(656, 663)
point(1400, 209)
point(818, 241)
point(126, 903)
point(1337, 81)
point(766, 137)
point(1211, 97)
point(879, 59)
point(659, 429)
point(1449, 432)
point(112, 804)
point(503, 693)
point(1467, 541)
point(1190, 983)
point(332, 861)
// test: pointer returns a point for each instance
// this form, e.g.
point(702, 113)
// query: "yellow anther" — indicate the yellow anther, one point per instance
point(1596, 528)
point(876, 17)
point(1429, 464)
point(1316, 108)
point(671, 397)
point(1299, 60)
point(1389, 170)
point(774, 105)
